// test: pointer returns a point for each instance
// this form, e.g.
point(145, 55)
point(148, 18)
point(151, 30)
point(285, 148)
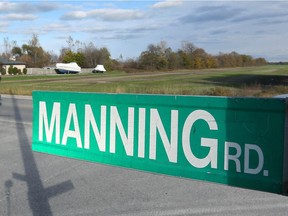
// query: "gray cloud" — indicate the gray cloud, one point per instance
point(273, 21)
point(263, 15)
point(211, 13)
point(98, 29)
point(120, 37)
point(29, 7)
point(132, 32)
point(104, 14)
point(218, 31)
point(145, 28)
point(57, 27)
point(210, 8)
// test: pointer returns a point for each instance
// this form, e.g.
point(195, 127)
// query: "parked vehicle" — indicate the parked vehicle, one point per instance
point(99, 69)
point(67, 68)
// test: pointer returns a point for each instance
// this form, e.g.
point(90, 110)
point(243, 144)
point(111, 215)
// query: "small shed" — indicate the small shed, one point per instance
point(6, 63)
point(99, 69)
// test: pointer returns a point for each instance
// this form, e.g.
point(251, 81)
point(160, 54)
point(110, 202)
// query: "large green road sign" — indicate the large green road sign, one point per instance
point(234, 141)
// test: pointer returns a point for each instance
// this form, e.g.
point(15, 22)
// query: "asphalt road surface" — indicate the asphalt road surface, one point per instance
point(39, 184)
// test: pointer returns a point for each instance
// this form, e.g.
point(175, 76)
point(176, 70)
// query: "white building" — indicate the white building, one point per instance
point(5, 63)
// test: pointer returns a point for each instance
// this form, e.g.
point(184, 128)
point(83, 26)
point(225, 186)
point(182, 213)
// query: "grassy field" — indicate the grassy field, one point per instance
point(264, 81)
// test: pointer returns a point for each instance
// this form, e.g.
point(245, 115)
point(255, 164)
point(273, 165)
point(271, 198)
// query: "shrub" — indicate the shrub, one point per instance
point(2, 71)
point(10, 70)
point(25, 71)
point(14, 71)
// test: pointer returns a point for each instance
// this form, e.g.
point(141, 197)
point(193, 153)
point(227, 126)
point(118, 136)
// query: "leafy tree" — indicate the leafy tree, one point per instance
point(188, 50)
point(155, 57)
point(27, 59)
point(91, 55)
point(234, 59)
point(185, 60)
point(85, 55)
point(173, 60)
point(70, 56)
point(104, 55)
point(260, 61)
point(129, 64)
point(200, 57)
point(211, 62)
point(79, 59)
point(17, 51)
point(247, 60)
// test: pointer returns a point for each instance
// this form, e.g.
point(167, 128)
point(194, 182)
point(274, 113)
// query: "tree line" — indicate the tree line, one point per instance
point(160, 56)
point(156, 57)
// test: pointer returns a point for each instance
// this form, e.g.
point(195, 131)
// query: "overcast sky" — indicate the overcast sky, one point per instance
point(127, 27)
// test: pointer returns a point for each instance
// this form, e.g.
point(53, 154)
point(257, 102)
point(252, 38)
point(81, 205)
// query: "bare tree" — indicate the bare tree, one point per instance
point(8, 46)
point(188, 47)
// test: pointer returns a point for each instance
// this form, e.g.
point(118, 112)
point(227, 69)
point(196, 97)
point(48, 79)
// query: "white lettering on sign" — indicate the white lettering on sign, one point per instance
point(141, 132)
point(124, 128)
point(127, 140)
point(247, 159)
point(157, 125)
point(54, 122)
point(100, 135)
point(235, 157)
point(205, 142)
point(75, 133)
point(258, 168)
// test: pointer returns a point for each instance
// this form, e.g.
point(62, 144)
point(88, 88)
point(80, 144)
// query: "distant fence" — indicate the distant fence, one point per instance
point(42, 71)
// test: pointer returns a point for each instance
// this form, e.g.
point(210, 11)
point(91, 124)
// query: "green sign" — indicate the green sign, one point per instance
point(234, 141)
